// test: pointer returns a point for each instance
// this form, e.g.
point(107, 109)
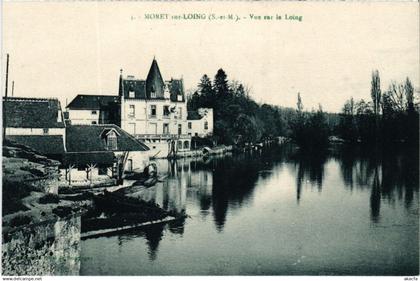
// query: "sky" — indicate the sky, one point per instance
point(60, 49)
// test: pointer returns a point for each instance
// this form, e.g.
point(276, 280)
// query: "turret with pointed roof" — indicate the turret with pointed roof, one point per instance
point(154, 82)
point(132, 88)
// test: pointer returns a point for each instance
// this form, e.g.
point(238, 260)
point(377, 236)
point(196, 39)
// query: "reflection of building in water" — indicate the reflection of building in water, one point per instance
point(186, 178)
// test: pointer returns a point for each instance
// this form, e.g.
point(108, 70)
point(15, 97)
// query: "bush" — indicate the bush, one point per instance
point(49, 199)
point(62, 211)
point(13, 192)
point(20, 220)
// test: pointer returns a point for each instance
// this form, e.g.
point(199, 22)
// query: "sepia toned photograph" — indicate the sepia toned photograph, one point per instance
point(210, 138)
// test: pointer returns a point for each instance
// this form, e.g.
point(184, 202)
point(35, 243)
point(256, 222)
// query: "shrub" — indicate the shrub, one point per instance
point(49, 199)
point(20, 220)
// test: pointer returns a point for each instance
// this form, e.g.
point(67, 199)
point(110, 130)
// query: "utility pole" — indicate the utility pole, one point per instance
point(5, 98)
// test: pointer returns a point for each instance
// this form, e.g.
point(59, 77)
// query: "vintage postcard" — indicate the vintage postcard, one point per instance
point(210, 138)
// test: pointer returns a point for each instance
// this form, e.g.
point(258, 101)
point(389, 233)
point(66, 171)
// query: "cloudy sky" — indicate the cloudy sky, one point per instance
point(64, 49)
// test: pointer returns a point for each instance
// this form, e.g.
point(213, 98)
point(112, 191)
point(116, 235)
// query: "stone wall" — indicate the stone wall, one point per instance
point(48, 248)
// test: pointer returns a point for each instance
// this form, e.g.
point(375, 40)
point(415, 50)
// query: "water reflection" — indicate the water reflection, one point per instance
point(310, 168)
point(390, 175)
point(218, 185)
point(286, 195)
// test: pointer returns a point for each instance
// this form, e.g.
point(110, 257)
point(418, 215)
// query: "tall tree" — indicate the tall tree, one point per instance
point(375, 92)
point(206, 91)
point(221, 84)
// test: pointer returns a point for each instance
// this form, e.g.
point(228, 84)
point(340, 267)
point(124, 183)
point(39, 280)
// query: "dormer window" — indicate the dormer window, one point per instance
point(111, 141)
point(179, 97)
point(110, 138)
point(131, 94)
point(153, 92)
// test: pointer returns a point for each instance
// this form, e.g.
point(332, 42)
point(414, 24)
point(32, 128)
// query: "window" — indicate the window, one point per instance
point(131, 128)
point(180, 97)
point(186, 144)
point(166, 128)
point(131, 94)
point(179, 129)
point(153, 111)
point(165, 111)
point(131, 110)
point(153, 94)
point(180, 112)
point(93, 122)
point(111, 141)
point(189, 125)
point(45, 131)
point(206, 125)
point(94, 112)
point(179, 145)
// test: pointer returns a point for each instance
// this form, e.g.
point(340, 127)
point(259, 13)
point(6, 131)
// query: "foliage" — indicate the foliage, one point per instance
point(310, 130)
point(391, 117)
point(20, 220)
point(49, 198)
point(13, 193)
point(238, 118)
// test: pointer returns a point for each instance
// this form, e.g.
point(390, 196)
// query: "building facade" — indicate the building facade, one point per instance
point(36, 123)
point(155, 111)
point(94, 109)
point(200, 123)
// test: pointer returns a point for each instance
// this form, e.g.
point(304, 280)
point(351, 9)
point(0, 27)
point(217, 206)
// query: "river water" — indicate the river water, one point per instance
point(276, 212)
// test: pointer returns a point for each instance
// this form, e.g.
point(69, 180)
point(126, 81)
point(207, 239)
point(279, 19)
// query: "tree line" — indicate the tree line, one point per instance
point(390, 116)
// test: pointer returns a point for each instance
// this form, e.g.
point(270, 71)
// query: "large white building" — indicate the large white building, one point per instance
point(153, 110)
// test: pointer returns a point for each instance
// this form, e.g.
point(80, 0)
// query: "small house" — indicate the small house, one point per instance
point(99, 152)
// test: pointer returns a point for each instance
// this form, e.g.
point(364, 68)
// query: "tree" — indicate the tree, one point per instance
point(221, 87)
point(375, 92)
point(205, 89)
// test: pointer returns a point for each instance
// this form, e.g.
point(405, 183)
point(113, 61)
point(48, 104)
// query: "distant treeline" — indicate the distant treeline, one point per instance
point(392, 116)
point(389, 117)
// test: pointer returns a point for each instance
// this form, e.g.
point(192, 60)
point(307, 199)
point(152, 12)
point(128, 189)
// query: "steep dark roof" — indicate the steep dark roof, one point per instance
point(32, 113)
point(87, 158)
point(154, 82)
point(46, 145)
point(176, 88)
point(193, 115)
point(90, 138)
point(137, 86)
point(92, 101)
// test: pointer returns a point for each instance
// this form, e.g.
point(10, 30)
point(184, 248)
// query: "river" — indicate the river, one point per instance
point(275, 212)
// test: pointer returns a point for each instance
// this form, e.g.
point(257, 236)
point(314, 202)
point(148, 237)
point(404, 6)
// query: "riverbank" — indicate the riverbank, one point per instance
point(42, 224)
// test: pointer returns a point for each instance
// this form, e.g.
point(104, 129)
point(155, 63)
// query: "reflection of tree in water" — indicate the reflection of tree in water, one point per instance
point(310, 167)
point(232, 181)
point(391, 174)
